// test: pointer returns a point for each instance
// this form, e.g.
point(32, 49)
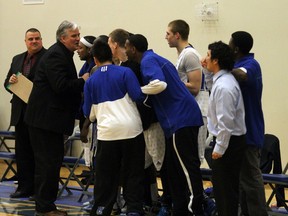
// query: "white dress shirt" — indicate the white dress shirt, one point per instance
point(226, 115)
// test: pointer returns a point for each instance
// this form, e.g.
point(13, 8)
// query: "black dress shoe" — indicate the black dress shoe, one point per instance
point(20, 194)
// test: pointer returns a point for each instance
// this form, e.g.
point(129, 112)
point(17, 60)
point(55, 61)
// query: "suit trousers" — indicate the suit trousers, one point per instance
point(225, 177)
point(48, 149)
point(252, 193)
point(24, 158)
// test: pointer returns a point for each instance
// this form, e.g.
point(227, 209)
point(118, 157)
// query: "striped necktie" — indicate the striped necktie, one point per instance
point(27, 65)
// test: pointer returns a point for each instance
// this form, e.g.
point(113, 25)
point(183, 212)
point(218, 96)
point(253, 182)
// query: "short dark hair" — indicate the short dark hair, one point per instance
point(89, 38)
point(181, 27)
point(101, 51)
point(243, 40)
point(32, 30)
point(223, 53)
point(103, 38)
point(139, 41)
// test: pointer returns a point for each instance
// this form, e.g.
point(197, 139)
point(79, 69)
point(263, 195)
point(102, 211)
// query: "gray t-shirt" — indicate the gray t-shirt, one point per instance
point(188, 60)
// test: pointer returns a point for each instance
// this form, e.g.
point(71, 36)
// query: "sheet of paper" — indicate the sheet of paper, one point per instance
point(22, 88)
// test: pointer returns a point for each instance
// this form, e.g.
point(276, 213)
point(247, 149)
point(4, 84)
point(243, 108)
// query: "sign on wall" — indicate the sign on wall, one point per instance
point(33, 1)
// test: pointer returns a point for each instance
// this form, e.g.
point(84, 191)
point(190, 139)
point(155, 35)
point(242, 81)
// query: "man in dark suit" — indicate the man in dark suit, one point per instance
point(26, 63)
point(50, 114)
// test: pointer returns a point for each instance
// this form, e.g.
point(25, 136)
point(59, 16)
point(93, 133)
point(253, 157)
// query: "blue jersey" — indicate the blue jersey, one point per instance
point(86, 68)
point(109, 96)
point(175, 107)
point(252, 94)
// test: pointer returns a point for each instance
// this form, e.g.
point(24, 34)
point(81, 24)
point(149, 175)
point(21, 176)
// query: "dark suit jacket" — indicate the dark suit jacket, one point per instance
point(17, 105)
point(56, 93)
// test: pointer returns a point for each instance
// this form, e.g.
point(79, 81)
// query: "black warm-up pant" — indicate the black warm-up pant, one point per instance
point(117, 158)
point(183, 171)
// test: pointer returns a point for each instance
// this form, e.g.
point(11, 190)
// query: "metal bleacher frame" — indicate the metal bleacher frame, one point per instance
point(7, 155)
point(277, 179)
point(71, 163)
point(6, 135)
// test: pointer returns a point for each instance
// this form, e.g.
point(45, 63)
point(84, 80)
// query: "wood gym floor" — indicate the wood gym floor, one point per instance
point(11, 207)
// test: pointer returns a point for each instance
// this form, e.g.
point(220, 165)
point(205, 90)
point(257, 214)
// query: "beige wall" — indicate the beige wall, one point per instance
point(266, 20)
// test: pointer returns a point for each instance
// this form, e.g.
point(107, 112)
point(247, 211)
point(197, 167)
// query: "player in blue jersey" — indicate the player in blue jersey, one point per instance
point(109, 98)
point(248, 72)
point(180, 117)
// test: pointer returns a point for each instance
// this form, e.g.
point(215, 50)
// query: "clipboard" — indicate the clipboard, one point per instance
point(22, 88)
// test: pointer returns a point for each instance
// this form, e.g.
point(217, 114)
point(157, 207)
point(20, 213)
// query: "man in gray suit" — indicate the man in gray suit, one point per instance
point(26, 63)
point(51, 112)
